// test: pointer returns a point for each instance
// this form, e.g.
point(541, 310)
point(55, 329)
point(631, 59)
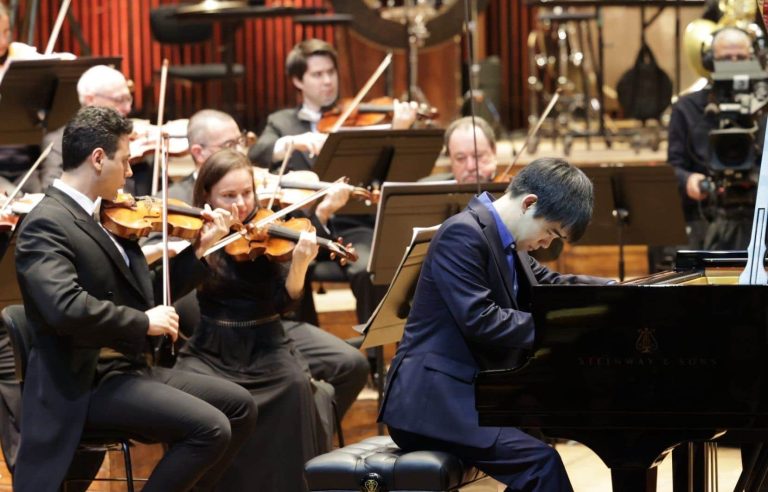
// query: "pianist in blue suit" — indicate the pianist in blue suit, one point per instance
point(470, 312)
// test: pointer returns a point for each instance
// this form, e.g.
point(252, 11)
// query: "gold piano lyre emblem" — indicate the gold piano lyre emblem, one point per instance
point(646, 342)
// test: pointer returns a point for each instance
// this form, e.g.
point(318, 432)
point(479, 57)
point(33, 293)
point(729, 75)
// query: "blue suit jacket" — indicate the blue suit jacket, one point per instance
point(464, 318)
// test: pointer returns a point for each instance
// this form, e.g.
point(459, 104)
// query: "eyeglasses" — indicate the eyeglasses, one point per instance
point(232, 143)
point(124, 99)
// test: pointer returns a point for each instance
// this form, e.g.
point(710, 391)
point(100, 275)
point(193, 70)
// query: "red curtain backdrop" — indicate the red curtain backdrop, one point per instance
point(121, 27)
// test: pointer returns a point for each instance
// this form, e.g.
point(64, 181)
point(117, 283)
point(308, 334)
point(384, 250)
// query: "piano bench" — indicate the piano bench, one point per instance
point(377, 464)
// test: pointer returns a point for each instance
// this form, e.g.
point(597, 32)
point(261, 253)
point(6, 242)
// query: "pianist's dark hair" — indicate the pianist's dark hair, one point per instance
point(92, 128)
point(564, 193)
point(296, 61)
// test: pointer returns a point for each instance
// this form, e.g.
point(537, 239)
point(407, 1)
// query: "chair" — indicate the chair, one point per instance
point(167, 29)
point(15, 321)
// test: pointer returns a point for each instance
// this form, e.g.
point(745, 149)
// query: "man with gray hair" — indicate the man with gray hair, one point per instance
point(467, 162)
point(100, 85)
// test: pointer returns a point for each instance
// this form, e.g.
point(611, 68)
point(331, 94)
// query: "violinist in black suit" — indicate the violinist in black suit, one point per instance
point(89, 299)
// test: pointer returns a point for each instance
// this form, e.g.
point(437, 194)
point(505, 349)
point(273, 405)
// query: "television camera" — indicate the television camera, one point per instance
point(738, 100)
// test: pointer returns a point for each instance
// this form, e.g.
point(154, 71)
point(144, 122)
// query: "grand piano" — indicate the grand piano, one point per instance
point(633, 370)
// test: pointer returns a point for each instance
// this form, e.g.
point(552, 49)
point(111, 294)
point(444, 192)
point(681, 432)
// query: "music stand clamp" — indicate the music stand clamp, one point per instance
point(634, 205)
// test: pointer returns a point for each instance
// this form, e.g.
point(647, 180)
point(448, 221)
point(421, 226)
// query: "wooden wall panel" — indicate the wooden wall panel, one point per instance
point(121, 27)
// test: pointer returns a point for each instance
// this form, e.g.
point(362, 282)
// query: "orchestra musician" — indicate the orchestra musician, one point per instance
point(470, 312)
point(15, 160)
point(242, 338)
point(313, 69)
point(330, 359)
point(90, 306)
point(102, 86)
point(466, 162)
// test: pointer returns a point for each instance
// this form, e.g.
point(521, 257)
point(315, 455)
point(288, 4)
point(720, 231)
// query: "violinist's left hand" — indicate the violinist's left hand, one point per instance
point(217, 225)
point(404, 114)
point(343, 260)
point(337, 197)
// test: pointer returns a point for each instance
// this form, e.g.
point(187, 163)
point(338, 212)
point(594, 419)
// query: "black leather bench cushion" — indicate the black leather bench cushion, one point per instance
point(344, 469)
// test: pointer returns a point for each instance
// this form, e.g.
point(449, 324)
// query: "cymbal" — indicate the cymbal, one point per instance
point(211, 6)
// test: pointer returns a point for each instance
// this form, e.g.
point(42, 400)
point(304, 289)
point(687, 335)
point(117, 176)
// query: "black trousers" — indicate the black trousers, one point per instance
point(204, 419)
point(332, 360)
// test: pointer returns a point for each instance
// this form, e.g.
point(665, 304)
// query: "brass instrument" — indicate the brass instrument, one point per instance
point(698, 34)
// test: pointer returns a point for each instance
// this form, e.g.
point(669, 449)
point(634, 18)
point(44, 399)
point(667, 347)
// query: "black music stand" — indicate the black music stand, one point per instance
point(403, 206)
point(374, 156)
point(40, 94)
point(634, 205)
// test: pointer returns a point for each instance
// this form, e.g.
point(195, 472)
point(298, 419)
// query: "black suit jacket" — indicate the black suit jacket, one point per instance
point(280, 124)
point(79, 296)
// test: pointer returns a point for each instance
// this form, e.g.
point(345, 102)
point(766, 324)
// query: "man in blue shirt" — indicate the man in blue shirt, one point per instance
point(471, 312)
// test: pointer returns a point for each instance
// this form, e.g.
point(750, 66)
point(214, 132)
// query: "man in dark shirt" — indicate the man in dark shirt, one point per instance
point(690, 152)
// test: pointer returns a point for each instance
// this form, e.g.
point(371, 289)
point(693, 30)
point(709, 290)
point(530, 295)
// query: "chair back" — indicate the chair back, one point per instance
point(15, 321)
point(167, 29)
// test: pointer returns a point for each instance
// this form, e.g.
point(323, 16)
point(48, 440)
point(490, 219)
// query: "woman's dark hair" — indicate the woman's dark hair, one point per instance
point(92, 128)
point(216, 167)
point(564, 193)
point(296, 61)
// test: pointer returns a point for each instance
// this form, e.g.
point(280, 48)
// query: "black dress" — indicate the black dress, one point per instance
point(241, 338)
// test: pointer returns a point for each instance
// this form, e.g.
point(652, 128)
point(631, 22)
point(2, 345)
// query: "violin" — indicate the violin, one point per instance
point(278, 238)
point(11, 212)
point(295, 186)
point(132, 218)
point(375, 112)
point(145, 137)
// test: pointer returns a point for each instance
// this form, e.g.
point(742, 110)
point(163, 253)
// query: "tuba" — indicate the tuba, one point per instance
point(698, 34)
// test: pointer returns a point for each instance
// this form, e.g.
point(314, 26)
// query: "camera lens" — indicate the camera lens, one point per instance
point(706, 186)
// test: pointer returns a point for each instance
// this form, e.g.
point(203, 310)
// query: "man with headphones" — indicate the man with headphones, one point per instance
point(690, 151)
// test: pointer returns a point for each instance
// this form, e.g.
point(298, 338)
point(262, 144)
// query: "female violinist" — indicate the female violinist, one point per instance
point(241, 337)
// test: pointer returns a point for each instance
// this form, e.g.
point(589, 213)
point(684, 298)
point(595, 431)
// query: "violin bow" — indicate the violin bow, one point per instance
point(161, 156)
point(26, 177)
point(277, 215)
point(57, 27)
point(160, 111)
point(287, 156)
point(533, 132)
point(362, 93)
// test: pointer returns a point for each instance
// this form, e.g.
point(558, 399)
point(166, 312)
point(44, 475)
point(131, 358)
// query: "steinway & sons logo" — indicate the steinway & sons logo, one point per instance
point(646, 342)
point(646, 355)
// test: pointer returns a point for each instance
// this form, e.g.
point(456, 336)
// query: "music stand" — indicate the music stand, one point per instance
point(387, 323)
point(634, 205)
point(403, 206)
point(39, 94)
point(374, 156)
